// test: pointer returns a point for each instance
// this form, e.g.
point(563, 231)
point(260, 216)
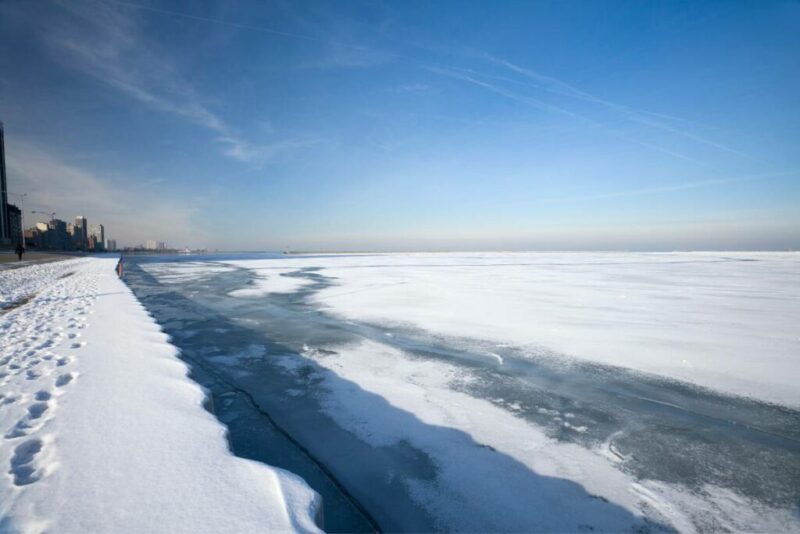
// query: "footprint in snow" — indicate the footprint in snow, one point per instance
point(20, 429)
point(37, 410)
point(64, 379)
point(9, 399)
point(23, 467)
point(46, 344)
point(30, 422)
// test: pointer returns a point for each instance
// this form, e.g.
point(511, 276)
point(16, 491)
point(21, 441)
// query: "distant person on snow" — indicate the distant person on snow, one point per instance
point(119, 267)
point(20, 250)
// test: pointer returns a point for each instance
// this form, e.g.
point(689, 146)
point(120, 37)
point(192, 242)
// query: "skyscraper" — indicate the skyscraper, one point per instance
point(97, 232)
point(80, 232)
point(57, 234)
point(4, 223)
point(15, 225)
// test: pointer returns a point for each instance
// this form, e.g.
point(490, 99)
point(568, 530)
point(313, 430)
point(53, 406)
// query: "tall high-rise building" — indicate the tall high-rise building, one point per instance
point(71, 234)
point(111, 244)
point(51, 235)
point(57, 238)
point(4, 223)
point(151, 244)
point(33, 238)
point(98, 235)
point(80, 233)
point(15, 225)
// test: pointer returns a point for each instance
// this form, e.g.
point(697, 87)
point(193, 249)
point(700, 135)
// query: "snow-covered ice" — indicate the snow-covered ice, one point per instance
point(268, 280)
point(175, 273)
point(487, 468)
point(524, 392)
point(724, 321)
point(102, 429)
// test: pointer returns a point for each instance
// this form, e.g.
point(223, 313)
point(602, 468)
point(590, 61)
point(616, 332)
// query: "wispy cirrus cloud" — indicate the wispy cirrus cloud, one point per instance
point(671, 188)
point(340, 51)
point(543, 105)
point(108, 45)
point(560, 87)
point(249, 153)
point(416, 88)
point(532, 88)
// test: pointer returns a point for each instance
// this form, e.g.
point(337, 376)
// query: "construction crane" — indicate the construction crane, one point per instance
point(51, 215)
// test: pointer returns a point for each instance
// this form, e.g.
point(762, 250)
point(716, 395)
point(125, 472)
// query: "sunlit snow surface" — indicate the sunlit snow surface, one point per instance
point(509, 392)
point(102, 431)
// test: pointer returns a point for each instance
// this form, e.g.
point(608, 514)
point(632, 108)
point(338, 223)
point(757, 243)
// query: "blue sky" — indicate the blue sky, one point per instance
point(409, 125)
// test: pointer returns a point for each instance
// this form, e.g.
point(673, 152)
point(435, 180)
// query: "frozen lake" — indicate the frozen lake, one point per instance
point(504, 392)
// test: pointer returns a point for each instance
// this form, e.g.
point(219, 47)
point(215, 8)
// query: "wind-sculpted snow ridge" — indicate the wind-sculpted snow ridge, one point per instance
point(102, 431)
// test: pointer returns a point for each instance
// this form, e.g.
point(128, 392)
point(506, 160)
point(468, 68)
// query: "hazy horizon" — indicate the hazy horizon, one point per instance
point(413, 126)
point(495, 251)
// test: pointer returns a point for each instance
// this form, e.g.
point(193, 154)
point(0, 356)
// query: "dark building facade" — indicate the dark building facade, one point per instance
point(80, 233)
point(33, 238)
point(14, 224)
point(4, 223)
point(57, 237)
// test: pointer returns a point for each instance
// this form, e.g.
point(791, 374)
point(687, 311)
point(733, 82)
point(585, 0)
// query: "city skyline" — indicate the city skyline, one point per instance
point(57, 234)
point(392, 127)
point(52, 234)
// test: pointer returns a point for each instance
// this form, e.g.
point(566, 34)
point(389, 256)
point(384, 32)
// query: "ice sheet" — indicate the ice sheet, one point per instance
point(485, 429)
point(177, 272)
point(486, 458)
point(727, 321)
point(268, 279)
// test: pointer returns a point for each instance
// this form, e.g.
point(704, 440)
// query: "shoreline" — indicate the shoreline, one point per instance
point(100, 414)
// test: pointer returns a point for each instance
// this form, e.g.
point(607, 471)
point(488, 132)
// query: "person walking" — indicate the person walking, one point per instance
point(20, 250)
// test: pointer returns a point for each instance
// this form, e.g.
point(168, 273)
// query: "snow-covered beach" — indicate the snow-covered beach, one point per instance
point(102, 429)
point(413, 392)
point(368, 266)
